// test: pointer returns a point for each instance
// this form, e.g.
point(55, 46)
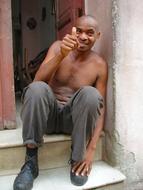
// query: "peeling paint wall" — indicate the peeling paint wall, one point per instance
point(124, 123)
point(128, 76)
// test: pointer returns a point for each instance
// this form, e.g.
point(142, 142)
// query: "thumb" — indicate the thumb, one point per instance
point(74, 31)
point(74, 34)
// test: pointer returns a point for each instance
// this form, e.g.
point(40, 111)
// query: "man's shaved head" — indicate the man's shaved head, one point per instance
point(90, 20)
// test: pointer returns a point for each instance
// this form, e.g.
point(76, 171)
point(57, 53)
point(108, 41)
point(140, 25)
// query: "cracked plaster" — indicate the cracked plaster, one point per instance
point(126, 70)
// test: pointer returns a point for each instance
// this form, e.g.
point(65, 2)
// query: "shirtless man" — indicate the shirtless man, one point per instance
point(67, 96)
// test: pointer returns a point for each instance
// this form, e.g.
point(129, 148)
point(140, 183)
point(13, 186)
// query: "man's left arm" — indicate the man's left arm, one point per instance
point(101, 85)
point(84, 168)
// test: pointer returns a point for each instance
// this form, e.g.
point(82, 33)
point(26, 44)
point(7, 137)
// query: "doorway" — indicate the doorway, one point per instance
point(36, 25)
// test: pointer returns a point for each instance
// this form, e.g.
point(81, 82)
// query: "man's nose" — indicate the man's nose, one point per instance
point(83, 36)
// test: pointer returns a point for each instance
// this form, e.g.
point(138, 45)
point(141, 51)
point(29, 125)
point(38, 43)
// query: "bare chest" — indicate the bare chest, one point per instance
point(75, 74)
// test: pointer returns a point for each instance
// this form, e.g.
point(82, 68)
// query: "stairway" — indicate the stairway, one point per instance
point(53, 163)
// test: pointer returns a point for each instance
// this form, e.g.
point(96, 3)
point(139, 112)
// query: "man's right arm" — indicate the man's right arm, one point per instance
point(50, 63)
point(57, 52)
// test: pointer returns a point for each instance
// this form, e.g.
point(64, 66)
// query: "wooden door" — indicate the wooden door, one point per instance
point(67, 12)
point(7, 98)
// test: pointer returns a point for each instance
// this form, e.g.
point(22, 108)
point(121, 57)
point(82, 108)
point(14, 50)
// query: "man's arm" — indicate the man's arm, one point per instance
point(101, 86)
point(84, 168)
point(50, 63)
point(57, 52)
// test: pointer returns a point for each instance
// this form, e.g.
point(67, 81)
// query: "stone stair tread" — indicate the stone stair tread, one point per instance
point(55, 152)
point(13, 138)
point(101, 175)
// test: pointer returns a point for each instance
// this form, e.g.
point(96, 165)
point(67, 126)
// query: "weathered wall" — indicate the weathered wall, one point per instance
point(128, 76)
point(125, 87)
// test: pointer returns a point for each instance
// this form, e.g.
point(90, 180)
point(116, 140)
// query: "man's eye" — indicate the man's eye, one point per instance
point(78, 31)
point(90, 33)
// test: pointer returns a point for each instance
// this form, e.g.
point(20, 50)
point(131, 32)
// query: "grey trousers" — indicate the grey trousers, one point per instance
point(41, 114)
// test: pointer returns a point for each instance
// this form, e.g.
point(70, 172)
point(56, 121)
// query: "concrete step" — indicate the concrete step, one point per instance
point(53, 154)
point(102, 177)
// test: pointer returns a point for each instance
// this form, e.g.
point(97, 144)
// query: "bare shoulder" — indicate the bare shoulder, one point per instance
point(55, 46)
point(102, 74)
point(53, 50)
point(101, 64)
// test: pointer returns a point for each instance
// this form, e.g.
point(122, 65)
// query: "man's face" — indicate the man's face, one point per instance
point(87, 34)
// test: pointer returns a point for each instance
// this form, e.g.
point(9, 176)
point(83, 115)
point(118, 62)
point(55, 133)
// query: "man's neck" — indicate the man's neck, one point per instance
point(81, 54)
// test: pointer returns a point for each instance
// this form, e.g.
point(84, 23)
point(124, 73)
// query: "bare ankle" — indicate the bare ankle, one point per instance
point(31, 146)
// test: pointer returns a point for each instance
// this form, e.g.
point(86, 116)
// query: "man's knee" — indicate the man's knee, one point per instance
point(37, 90)
point(90, 94)
point(91, 98)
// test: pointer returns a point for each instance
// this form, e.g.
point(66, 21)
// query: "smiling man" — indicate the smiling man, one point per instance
point(67, 96)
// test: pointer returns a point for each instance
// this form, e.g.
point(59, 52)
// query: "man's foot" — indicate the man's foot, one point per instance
point(29, 171)
point(77, 180)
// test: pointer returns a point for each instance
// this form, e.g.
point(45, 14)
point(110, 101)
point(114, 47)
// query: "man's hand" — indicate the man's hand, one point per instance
point(69, 43)
point(84, 167)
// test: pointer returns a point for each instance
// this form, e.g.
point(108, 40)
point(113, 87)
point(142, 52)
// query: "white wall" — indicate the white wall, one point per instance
point(128, 68)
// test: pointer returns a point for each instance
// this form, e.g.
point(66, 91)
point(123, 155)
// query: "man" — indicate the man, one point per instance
point(67, 96)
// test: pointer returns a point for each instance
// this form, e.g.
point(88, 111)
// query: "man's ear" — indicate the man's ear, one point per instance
point(98, 35)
